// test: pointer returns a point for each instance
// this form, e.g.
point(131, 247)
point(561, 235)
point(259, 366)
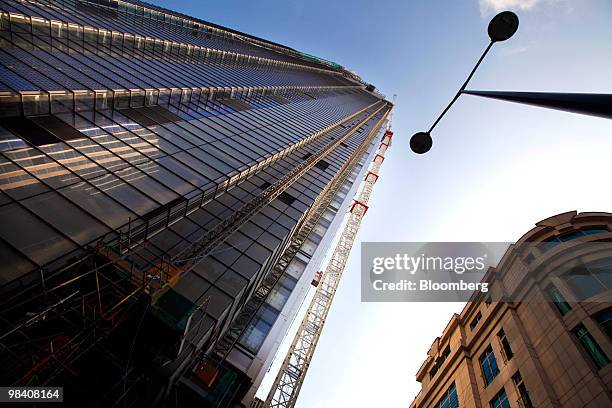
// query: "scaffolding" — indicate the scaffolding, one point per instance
point(289, 380)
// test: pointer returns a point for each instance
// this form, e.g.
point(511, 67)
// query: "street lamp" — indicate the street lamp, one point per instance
point(501, 27)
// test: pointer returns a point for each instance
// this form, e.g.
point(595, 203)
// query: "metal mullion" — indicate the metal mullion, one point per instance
point(156, 64)
point(277, 134)
point(187, 151)
point(221, 120)
point(59, 189)
point(271, 139)
point(255, 118)
point(234, 73)
point(283, 112)
point(112, 172)
point(190, 130)
point(246, 144)
point(215, 119)
point(118, 69)
point(299, 132)
point(296, 114)
point(257, 155)
point(258, 79)
point(51, 56)
point(263, 103)
point(17, 250)
point(121, 65)
point(186, 129)
point(126, 161)
point(262, 75)
point(275, 139)
point(245, 45)
point(264, 141)
point(249, 123)
point(166, 139)
point(178, 33)
point(222, 151)
point(196, 66)
point(215, 81)
point(20, 6)
point(75, 174)
point(76, 13)
point(236, 119)
point(139, 21)
point(165, 68)
point(233, 78)
point(127, 22)
point(274, 114)
point(106, 169)
point(195, 123)
point(45, 154)
point(60, 86)
point(82, 26)
point(53, 228)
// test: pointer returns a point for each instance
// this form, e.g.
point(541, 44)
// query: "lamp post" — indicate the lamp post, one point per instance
point(502, 27)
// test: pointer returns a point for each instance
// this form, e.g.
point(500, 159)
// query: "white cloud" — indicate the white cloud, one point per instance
point(513, 50)
point(493, 6)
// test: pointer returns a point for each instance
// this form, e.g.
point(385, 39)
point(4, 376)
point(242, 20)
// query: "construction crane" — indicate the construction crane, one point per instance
point(289, 380)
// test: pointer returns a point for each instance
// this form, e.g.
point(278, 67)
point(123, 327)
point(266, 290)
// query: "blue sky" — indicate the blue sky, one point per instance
point(495, 169)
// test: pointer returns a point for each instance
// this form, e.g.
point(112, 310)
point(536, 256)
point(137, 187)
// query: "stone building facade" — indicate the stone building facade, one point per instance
point(542, 336)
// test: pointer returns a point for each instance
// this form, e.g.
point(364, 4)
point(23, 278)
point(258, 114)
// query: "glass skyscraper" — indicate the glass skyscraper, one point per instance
point(168, 188)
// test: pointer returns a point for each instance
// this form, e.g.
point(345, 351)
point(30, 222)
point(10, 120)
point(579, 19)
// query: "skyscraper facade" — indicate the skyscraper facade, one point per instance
point(168, 188)
point(542, 336)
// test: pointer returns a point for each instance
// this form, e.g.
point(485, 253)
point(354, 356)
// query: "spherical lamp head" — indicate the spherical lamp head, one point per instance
point(421, 142)
point(503, 26)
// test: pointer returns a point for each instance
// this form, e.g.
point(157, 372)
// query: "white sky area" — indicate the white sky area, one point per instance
point(495, 169)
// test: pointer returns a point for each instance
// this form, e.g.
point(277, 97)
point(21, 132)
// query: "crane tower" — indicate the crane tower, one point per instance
point(289, 380)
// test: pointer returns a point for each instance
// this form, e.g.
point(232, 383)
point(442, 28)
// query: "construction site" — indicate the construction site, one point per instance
point(170, 188)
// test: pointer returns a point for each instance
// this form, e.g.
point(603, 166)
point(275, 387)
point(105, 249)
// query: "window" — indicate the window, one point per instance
point(322, 164)
point(286, 198)
point(562, 306)
point(258, 328)
point(507, 350)
point(278, 296)
point(550, 243)
point(500, 400)
point(440, 361)
point(296, 268)
point(524, 400)
point(9, 141)
point(475, 321)
point(591, 346)
point(236, 104)
point(488, 365)
point(309, 246)
point(29, 131)
point(449, 399)
point(590, 279)
point(604, 318)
